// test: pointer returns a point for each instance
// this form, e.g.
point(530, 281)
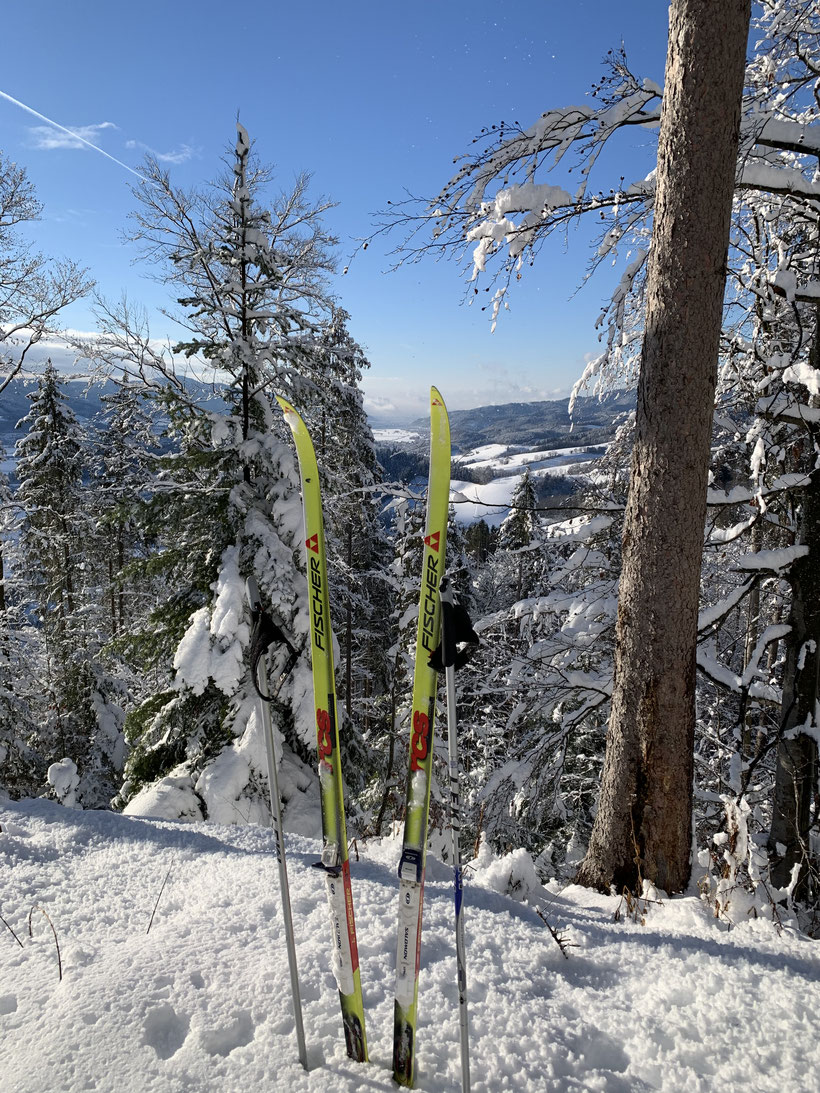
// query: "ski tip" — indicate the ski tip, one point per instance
point(286, 406)
point(435, 397)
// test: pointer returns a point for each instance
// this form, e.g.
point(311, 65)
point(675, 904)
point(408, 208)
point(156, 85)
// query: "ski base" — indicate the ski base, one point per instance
point(403, 1053)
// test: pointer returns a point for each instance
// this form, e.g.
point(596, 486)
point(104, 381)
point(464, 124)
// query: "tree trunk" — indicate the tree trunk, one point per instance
point(797, 754)
point(796, 770)
point(121, 586)
point(643, 828)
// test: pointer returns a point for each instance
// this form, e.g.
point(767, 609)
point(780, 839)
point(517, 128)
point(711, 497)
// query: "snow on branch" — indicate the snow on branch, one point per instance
point(790, 136)
point(740, 495)
point(497, 205)
point(773, 561)
point(710, 617)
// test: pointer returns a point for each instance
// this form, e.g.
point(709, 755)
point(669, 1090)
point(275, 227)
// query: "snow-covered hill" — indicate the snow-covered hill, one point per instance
point(554, 469)
point(202, 1003)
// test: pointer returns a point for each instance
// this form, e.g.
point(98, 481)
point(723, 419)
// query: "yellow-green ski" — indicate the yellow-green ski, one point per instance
point(334, 834)
point(425, 682)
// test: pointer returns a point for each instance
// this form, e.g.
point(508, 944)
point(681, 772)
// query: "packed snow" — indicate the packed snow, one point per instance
point(659, 996)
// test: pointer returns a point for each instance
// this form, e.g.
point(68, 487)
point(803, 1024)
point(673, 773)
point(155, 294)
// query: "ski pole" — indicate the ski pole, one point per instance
point(448, 656)
point(276, 819)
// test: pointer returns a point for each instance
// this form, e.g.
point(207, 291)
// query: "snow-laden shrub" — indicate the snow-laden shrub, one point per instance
point(64, 779)
point(735, 880)
point(512, 874)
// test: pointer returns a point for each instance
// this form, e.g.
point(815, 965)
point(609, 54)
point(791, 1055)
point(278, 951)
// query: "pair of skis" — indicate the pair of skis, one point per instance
point(434, 595)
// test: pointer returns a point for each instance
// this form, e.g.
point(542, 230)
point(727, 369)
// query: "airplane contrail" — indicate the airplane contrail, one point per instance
point(70, 132)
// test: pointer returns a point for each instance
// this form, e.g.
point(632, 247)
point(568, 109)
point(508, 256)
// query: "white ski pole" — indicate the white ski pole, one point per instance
point(276, 819)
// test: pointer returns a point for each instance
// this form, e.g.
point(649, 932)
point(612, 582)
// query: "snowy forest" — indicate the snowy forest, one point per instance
point(125, 544)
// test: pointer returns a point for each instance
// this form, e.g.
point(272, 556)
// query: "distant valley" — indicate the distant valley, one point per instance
point(492, 445)
point(538, 425)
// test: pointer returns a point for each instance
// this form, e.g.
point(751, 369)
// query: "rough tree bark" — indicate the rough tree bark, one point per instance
point(643, 828)
point(796, 772)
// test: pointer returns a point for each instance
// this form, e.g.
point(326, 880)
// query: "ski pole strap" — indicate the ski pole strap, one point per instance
point(458, 638)
point(264, 633)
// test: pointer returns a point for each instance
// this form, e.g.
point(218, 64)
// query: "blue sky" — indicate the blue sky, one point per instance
point(373, 98)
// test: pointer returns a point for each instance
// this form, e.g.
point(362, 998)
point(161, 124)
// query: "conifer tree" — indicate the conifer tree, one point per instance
point(124, 443)
point(517, 533)
point(80, 715)
point(358, 549)
point(21, 768)
point(250, 278)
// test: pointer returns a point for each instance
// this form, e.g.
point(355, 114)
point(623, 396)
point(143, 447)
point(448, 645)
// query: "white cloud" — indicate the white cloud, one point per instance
point(398, 400)
point(179, 155)
point(47, 137)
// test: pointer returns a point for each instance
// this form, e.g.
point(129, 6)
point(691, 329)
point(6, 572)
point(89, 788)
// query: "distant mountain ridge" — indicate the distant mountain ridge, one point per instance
point(84, 398)
point(521, 425)
point(536, 424)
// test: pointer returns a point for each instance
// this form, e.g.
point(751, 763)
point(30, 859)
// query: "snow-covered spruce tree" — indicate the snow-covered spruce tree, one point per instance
point(768, 396)
point(124, 446)
point(358, 548)
point(516, 536)
point(22, 770)
point(250, 279)
point(79, 712)
point(35, 290)
point(782, 202)
point(387, 790)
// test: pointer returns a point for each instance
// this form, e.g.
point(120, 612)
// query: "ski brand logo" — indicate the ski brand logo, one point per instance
point(324, 736)
point(419, 740)
point(429, 603)
point(313, 543)
point(317, 607)
point(433, 540)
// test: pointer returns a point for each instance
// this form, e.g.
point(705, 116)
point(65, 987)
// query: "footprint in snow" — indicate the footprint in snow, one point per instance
point(222, 1041)
point(165, 1030)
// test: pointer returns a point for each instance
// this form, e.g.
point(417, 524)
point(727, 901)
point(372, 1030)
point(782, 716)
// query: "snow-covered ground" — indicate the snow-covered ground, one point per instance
point(394, 436)
point(490, 501)
point(501, 458)
point(202, 1003)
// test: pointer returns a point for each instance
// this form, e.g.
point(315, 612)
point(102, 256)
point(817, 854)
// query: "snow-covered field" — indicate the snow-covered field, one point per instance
point(491, 501)
point(394, 436)
point(201, 1003)
point(500, 458)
